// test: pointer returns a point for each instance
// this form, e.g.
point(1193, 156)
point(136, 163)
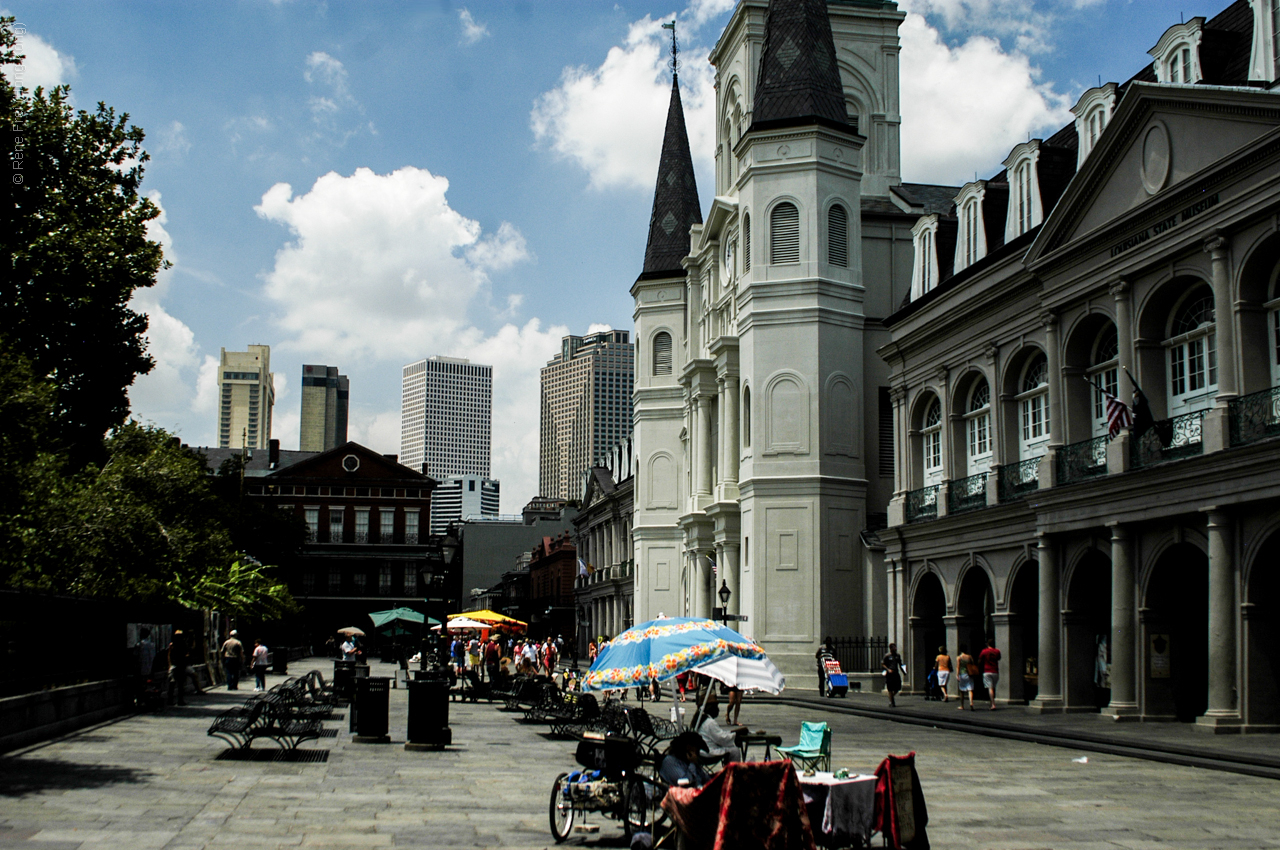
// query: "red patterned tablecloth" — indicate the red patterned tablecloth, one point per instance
point(746, 806)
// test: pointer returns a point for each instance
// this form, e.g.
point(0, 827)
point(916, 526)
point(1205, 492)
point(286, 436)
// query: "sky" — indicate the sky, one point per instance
point(366, 184)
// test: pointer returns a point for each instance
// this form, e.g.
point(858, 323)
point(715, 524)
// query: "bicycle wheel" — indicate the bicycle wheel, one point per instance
point(637, 808)
point(561, 810)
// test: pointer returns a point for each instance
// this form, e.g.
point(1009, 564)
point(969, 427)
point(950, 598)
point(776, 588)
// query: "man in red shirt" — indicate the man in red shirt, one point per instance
point(989, 662)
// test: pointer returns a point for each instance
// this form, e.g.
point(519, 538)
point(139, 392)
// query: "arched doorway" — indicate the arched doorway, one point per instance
point(1175, 648)
point(1088, 626)
point(1021, 648)
point(1262, 639)
point(975, 607)
point(927, 629)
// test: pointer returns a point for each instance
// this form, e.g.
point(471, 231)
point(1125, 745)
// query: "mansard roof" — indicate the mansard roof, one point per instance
point(675, 198)
point(799, 82)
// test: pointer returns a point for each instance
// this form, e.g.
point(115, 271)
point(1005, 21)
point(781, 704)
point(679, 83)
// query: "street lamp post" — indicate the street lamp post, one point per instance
point(724, 593)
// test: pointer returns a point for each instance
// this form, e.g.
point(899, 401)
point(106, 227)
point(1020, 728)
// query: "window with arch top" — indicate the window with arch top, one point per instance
point(977, 419)
point(662, 353)
point(931, 443)
point(1033, 407)
point(746, 417)
point(746, 242)
point(838, 236)
point(784, 234)
point(1104, 374)
point(1193, 354)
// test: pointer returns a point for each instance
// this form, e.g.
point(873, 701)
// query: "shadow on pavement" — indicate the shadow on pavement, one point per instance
point(294, 756)
point(20, 777)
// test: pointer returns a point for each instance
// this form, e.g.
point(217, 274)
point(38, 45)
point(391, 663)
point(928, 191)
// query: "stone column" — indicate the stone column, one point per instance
point(1124, 331)
point(702, 453)
point(901, 462)
point(1010, 687)
point(952, 624)
point(729, 566)
point(1049, 659)
point(1124, 649)
point(1224, 319)
point(733, 437)
point(1224, 708)
point(1053, 353)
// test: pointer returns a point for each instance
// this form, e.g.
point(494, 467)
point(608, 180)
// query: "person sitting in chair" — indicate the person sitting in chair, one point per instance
point(720, 743)
point(680, 765)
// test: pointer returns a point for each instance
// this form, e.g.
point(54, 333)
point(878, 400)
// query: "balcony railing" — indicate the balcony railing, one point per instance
point(1255, 417)
point(967, 494)
point(922, 503)
point(1169, 439)
point(1016, 480)
point(1083, 460)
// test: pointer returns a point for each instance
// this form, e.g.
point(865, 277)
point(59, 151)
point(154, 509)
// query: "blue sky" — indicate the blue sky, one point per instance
point(366, 184)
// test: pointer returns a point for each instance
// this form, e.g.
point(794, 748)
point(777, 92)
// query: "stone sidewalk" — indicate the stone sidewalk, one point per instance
point(157, 781)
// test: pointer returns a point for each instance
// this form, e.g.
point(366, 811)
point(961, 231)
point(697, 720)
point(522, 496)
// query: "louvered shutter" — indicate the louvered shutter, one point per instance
point(838, 237)
point(784, 234)
point(662, 354)
point(746, 243)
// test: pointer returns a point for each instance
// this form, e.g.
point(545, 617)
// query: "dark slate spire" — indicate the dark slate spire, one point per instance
point(799, 81)
point(675, 198)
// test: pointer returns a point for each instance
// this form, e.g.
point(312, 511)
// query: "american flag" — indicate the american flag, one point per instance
point(1118, 414)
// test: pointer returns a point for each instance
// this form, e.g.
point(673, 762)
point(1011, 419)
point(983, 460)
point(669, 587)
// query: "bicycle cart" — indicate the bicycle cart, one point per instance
point(832, 681)
point(610, 783)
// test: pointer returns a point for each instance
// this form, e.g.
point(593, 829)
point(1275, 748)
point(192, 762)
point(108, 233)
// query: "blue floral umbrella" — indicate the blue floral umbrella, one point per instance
point(662, 649)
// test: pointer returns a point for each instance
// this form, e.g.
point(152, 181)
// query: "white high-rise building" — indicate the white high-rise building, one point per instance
point(460, 497)
point(246, 396)
point(446, 411)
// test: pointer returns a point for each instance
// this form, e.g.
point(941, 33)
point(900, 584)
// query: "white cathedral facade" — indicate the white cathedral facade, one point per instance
point(763, 418)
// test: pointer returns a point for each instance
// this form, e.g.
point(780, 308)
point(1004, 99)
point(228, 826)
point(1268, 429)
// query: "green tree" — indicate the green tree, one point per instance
point(75, 249)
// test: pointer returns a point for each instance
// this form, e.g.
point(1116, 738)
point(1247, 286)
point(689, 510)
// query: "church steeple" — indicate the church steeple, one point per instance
point(799, 81)
point(675, 198)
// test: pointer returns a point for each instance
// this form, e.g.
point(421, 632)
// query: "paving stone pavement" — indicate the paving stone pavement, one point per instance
point(157, 781)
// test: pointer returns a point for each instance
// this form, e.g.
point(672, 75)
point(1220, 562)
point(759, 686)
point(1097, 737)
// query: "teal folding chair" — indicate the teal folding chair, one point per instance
point(814, 749)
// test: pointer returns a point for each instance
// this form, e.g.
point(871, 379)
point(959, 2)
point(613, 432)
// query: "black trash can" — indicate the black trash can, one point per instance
point(280, 661)
point(428, 713)
point(344, 676)
point(369, 710)
point(362, 671)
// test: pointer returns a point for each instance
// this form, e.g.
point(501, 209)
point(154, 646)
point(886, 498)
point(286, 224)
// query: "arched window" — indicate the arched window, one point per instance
point(662, 353)
point(1104, 373)
point(784, 234)
point(978, 427)
point(838, 236)
point(1033, 406)
point(931, 443)
point(746, 417)
point(746, 242)
point(1193, 355)
point(970, 222)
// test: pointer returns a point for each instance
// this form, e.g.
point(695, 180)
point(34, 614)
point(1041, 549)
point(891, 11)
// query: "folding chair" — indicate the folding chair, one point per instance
point(814, 749)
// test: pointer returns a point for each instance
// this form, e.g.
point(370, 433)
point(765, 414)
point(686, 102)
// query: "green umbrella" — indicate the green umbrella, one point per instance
point(404, 615)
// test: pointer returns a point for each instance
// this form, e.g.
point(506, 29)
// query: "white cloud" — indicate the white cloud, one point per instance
point(43, 65)
point(472, 31)
point(1025, 23)
point(336, 113)
point(965, 107)
point(172, 139)
point(381, 271)
point(609, 119)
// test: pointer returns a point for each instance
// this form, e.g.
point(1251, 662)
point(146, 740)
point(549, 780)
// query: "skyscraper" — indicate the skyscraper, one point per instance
point(246, 397)
point(446, 411)
point(325, 395)
point(461, 496)
point(586, 408)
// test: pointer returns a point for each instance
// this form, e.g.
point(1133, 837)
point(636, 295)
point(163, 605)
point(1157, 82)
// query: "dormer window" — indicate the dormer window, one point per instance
point(924, 276)
point(1093, 114)
point(1264, 58)
point(972, 244)
point(1025, 210)
point(1177, 53)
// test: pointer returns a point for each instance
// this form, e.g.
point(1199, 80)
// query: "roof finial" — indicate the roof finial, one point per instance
point(674, 62)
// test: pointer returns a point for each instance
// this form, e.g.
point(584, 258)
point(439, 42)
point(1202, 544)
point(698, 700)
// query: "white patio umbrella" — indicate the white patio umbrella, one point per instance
point(460, 623)
point(749, 674)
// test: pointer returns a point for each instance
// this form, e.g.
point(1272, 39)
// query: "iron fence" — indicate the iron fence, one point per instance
point(967, 494)
point(860, 654)
point(1168, 439)
point(922, 503)
point(1255, 417)
point(1082, 461)
point(1016, 480)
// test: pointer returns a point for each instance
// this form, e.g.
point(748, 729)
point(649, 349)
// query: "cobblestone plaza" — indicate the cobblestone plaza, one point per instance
point(157, 781)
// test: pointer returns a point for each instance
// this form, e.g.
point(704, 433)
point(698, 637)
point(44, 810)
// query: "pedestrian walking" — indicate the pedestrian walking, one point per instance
point(146, 653)
point(942, 667)
point(233, 660)
point(180, 667)
point(491, 657)
point(989, 661)
point(893, 670)
point(259, 665)
point(966, 672)
point(473, 653)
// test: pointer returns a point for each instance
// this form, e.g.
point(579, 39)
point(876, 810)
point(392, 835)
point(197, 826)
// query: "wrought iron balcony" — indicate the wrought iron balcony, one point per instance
point(1169, 439)
point(1016, 480)
point(1255, 417)
point(967, 494)
point(1083, 460)
point(923, 503)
